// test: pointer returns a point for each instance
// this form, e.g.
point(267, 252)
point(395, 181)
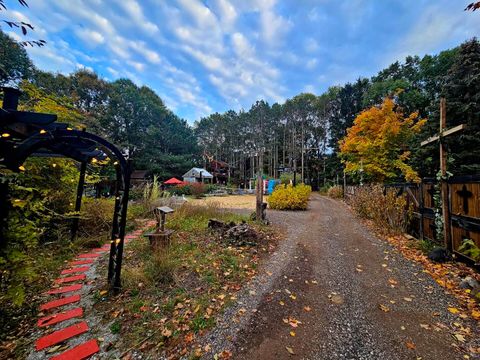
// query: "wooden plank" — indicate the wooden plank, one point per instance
point(59, 317)
point(61, 335)
point(453, 130)
point(81, 262)
point(430, 140)
point(65, 289)
point(70, 279)
point(60, 302)
point(74, 270)
point(79, 352)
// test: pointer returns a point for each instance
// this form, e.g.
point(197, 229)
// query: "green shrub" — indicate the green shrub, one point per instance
point(286, 178)
point(182, 189)
point(470, 249)
point(288, 197)
point(335, 192)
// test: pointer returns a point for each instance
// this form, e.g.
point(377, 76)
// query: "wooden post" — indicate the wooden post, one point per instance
point(420, 210)
point(443, 168)
point(259, 200)
point(78, 200)
point(443, 171)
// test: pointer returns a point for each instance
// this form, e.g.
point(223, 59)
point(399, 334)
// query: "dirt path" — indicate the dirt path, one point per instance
point(333, 276)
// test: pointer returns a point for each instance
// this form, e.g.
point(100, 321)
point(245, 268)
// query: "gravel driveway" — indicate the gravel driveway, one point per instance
point(333, 290)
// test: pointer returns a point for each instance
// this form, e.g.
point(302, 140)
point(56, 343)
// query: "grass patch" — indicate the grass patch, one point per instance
point(177, 294)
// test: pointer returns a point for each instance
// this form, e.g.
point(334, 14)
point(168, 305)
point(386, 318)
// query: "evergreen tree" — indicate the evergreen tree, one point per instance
point(462, 92)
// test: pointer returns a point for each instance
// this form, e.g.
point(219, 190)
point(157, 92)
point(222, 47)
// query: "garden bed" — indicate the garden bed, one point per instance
point(172, 297)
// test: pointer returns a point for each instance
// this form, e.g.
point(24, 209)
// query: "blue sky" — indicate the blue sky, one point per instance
point(214, 55)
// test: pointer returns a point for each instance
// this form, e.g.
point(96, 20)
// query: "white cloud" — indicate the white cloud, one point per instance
point(114, 72)
point(274, 26)
point(434, 27)
point(312, 63)
point(311, 45)
point(90, 37)
point(226, 13)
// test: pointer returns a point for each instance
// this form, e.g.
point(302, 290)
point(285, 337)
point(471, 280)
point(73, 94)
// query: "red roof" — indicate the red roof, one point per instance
point(173, 181)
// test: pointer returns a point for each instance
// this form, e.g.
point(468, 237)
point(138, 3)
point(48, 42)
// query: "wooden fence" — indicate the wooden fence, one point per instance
point(463, 202)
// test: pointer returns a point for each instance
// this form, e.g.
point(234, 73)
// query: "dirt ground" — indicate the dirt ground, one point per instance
point(333, 290)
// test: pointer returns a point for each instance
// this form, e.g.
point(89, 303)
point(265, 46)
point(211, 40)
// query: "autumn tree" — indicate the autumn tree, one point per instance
point(376, 143)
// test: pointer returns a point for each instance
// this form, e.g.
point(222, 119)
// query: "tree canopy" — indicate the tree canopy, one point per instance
point(376, 144)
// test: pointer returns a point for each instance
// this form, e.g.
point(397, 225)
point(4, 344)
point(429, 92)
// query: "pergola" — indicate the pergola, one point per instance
point(24, 134)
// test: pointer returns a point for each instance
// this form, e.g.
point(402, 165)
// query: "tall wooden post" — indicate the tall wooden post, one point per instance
point(443, 171)
point(259, 200)
point(443, 133)
point(78, 200)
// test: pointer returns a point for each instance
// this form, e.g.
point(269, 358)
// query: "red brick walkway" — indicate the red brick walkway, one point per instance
point(66, 292)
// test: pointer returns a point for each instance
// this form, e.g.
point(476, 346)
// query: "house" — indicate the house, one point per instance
point(138, 177)
point(197, 175)
point(220, 171)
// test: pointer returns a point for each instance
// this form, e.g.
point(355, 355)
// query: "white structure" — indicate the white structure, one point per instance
point(197, 175)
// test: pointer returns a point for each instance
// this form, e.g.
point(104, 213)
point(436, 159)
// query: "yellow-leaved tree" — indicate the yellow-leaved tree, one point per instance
point(377, 143)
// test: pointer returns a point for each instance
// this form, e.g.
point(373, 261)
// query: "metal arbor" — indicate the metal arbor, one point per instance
point(24, 134)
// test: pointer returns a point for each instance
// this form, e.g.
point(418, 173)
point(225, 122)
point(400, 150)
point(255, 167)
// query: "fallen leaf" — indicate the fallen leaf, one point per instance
point(290, 350)
point(408, 299)
point(281, 303)
point(459, 337)
point(307, 308)
point(453, 310)
point(292, 333)
point(476, 314)
point(410, 345)
point(383, 308)
point(167, 332)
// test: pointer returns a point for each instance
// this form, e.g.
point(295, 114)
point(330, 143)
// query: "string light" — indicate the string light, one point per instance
point(5, 135)
point(21, 168)
point(43, 131)
point(69, 129)
point(94, 160)
point(115, 163)
point(54, 165)
point(117, 241)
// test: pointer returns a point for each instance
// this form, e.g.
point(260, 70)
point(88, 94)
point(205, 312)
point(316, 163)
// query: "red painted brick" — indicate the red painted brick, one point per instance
point(87, 256)
point(99, 250)
point(75, 270)
point(82, 262)
point(79, 352)
point(56, 318)
point(65, 289)
point(70, 279)
point(61, 335)
point(60, 302)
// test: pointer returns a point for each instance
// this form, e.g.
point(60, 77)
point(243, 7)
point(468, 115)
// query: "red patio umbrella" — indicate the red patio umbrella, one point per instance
point(173, 181)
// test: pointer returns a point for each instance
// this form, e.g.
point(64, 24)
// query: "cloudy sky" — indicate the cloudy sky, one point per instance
point(215, 55)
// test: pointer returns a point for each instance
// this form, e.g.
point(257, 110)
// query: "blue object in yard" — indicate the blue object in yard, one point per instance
point(271, 186)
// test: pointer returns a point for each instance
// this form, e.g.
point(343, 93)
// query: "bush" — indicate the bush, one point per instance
point(335, 192)
point(198, 189)
point(182, 189)
point(289, 197)
point(387, 210)
point(286, 178)
point(96, 216)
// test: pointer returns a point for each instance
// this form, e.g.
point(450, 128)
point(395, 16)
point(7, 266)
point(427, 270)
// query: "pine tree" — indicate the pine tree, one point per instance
point(462, 92)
